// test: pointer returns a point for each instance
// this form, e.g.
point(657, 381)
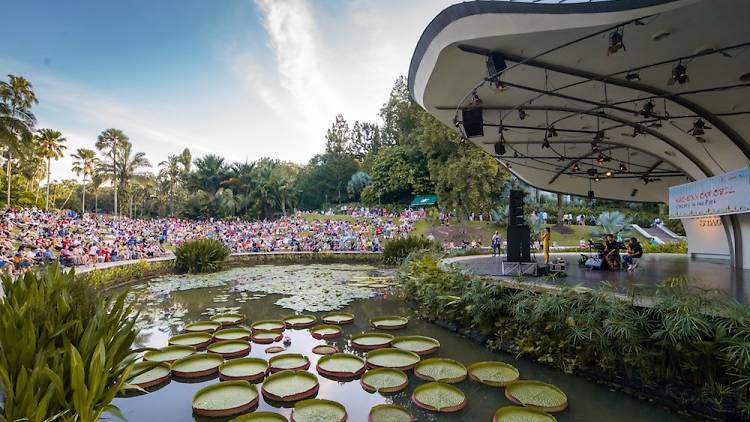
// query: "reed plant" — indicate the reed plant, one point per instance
point(200, 256)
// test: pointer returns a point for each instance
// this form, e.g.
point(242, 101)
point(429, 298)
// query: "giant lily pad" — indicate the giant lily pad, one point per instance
point(293, 361)
point(169, 353)
point(341, 365)
point(440, 369)
point(300, 321)
point(537, 395)
point(268, 324)
point(389, 322)
point(325, 331)
point(318, 410)
point(290, 386)
point(389, 413)
point(197, 340)
point(274, 349)
point(196, 366)
point(230, 348)
point(371, 341)
point(439, 397)
point(225, 399)
point(149, 374)
point(266, 336)
point(249, 369)
point(420, 345)
point(234, 333)
point(228, 319)
point(392, 358)
point(325, 349)
point(260, 417)
point(521, 414)
point(496, 374)
point(202, 326)
point(384, 380)
point(338, 318)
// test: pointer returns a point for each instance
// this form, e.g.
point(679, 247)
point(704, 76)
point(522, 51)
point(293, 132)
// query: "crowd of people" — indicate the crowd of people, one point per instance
point(30, 236)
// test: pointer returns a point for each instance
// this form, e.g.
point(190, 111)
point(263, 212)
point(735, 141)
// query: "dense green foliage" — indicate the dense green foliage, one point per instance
point(671, 247)
point(200, 256)
point(396, 250)
point(694, 347)
point(65, 350)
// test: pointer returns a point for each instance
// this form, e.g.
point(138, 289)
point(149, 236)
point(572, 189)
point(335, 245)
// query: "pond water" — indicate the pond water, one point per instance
point(272, 292)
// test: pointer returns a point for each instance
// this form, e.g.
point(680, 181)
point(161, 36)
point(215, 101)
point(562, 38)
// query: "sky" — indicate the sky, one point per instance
point(243, 79)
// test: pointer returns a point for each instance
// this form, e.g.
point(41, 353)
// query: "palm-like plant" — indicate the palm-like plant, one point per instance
point(611, 222)
point(111, 141)
point(51, 142)
point(171, 171)
point(131, 166)
point(16, 120)
point(85, 163)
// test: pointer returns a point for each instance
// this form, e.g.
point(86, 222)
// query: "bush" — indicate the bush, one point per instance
point(396, 250)
point(66, 350)
point(200, 256)
point(675, 225)
point(671, 247)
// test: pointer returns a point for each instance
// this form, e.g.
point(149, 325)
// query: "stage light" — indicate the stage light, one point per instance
point(475, 99)
point(648, 109)
point(596, 179)
point(591, 195)
point(495, 66)
point(545, 143)
point(615, 42)
point(575, 167)
point(551, 131)
point(699, 128)
point(599, 136)
point(633, 76)
point(679, 75)
point(516, 154)
point(608, 173)
point(592, 172)
point(623, 169)
point(500, 148)
point(594, 147)
point(634, 192)
point(521, 114)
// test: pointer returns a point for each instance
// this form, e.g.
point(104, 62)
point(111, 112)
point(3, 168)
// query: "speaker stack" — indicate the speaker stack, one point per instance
point(519, 233)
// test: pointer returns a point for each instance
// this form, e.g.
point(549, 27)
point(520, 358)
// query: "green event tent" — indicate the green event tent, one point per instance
point(423, 201)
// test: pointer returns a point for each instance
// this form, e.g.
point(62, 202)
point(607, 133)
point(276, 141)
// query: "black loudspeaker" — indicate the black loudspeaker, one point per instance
point(473, 122)
point(499, 149)
point(515, 209)
point(591, 195)
point(495, 64)
point(519, 244)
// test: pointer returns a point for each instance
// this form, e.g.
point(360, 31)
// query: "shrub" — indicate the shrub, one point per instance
point(396, 250)
point(66, 350)
point(675, 225)
point(671, 247)
point(200, 256)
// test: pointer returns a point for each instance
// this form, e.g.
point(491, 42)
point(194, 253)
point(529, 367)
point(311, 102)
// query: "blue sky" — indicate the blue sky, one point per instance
point(239, 78)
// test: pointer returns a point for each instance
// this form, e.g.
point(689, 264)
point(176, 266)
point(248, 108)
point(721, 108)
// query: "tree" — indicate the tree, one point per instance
point(357, 183)
point(324, 178)
point(111, 141)
point(16, 119)
point(398, 173)
point(364, 140)
point(130, 171)
point(401, 116)
point(284, 178)
point(338, 136)
point(84, 163)
point(210, 172)
point(51, 142)
point(171, 170)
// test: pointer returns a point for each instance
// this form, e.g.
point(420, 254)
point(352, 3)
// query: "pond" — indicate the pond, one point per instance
point(272, 292)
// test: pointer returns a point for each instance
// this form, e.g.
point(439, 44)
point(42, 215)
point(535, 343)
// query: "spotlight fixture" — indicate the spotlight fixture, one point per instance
point(633, 76)
point(594, 147)
point(699, 128)
point(516, 154)
point(634, 192)
point(599, 136)
point(679, 75)
point(500, 148)
point(545, 143)
point(596, 179)
point(495, 66)
point(615, 42)
point(551, 131)
point(623, 168)
point(475, 99)
point(591, 195)
point(608, 173)
point(648, 109)
point(576, 168)
point(521, 114)
point(592, 172)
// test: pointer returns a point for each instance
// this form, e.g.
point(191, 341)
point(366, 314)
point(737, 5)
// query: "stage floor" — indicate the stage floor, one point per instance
point(652, 271)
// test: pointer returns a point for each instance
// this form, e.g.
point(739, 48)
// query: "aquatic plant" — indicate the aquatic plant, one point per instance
point(200, 256)
point(66, 348)
point(396, 250)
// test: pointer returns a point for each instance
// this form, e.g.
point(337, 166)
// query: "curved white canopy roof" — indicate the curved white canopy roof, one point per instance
point(560, 73)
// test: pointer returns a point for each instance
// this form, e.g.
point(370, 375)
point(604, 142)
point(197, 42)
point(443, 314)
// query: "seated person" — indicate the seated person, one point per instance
point(635, 250)
point(610, 255)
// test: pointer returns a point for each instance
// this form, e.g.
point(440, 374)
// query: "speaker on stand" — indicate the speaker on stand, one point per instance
point(519, 233)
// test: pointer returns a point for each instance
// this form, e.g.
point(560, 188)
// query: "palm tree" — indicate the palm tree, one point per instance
point(96, 182)
point(51, 142)
point(130, 170)
point(16, 120)
point(186, 159)
point(611, 222)
point(85, 163)
point(171, 171)
point(111, 141)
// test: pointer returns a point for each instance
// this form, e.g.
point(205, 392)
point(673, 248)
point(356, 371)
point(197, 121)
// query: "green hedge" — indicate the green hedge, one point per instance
point(679, 346)
point(200, 256)
point(396, 250)
point(671, 247)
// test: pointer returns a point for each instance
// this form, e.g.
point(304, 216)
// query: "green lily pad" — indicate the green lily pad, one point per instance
point(384, 380)
point(169, 353)
point(293, 361)
point(420, 345)
point(318, 410)
point(260, 417)
point(274, 349)
point(249, 369)
point(148, 374)
point(341, 365)
point(266, 336)
point(290, 386)
point(325, 331)
point(496, 374)
point(228, 318)
point(234, 333)
point(225, 399)
point(230, 348)
point(202, 326)
point(440, 369)
point(195, 366)
point(392, 358)
point(389, 322)
point(300, 321)
point(198, 340)
point(439, 397)
point(389, 413)
point(371, 340)
point(269, 325)
point(521, 414)
point(537, 395)
point(338, 318)
point(325, 349)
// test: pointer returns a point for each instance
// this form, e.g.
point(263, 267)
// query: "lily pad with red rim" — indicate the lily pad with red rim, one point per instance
point(202, 326)
point(389, 413)
point(230, 348)
point(325, 331)
point(233, 333)
point(260, 417)
point(266, 336)
point(371, 340)
point(274, 349)
point(389, 322)
point(392, 358)
point(338, 318)
point(292, 361)
point(341, 365)
point(168, 354)
point(496, 374)
point(521, 414)
point(268, 324)
point(384, 380)
point(196, 366)
point(440, 369)
point(286, 386)
point(300, 321)
point(420, 345)
point(439, 397)
point(537, 395)
point(225, 399)
point(318, 410)
point(199, 340)
point(325, 349)
point(248, 369)
point(149, 374)
point(228, 319)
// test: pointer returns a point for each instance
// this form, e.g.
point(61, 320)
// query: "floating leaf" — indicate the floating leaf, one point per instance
point(537, 395)
point(496, 374)
point(318, 410)
point(225, 399)
point(440, 369)
point(384, 380)
point(439, 397)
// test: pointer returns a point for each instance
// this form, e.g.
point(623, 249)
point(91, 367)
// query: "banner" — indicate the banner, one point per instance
point(728, 193)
